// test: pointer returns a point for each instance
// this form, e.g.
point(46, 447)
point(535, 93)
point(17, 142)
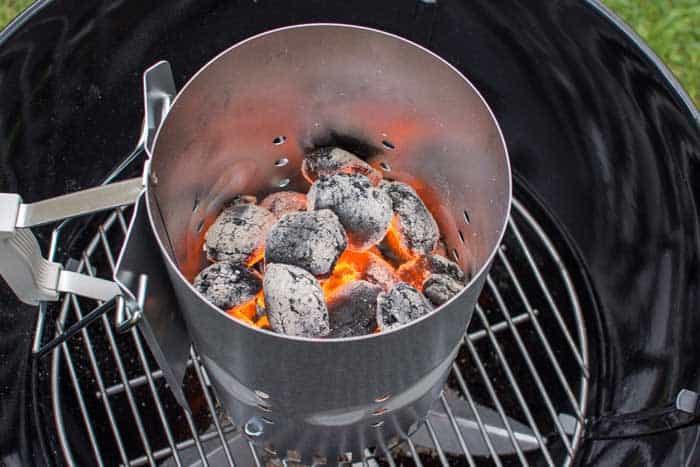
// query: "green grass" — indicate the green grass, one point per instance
point(671, 27)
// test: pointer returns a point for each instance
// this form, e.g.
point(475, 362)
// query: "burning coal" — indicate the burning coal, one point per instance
point(357, 254)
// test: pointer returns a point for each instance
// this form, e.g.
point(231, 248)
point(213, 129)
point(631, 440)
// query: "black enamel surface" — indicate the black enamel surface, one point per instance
point(593, 127)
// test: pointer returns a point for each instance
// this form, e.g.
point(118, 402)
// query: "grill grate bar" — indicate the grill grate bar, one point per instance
point(482, 429)
point(196, 437)
point(500, 326)
point(496, 401)
point(254, 452)
point(515, 386)
point(210, 405)
point(531, 366)
point(543, 286)
point(83, 408)
point(86, 267)
point(458, 432)
point(540, 333)
point(167, 452)
point(436, 443)
point(87, 342)
point(473, 336)
point(222, 430)
point(154, 392)
point(414, 453)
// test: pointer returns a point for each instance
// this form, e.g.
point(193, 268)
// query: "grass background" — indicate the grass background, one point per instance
point(670, 27)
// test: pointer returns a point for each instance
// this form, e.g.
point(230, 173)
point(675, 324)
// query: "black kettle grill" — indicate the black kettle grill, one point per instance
point(582, 349)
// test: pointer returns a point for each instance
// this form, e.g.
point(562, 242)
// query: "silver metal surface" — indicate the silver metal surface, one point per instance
point(144, 381)
point(83, 202)
point(310, 84)
point(148, 292)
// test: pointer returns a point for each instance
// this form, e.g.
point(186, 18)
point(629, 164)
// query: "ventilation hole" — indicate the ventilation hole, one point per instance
point(265, 408)
point(253, 428)
point(382, 398)
point(466, 217)
point(262, 394)
point(284, 182)
point(461, 235)
point(377, 424)
point(385, 167)
point(200, 226)
point(281, 162)
point(279, 140)
point(378, 412)
point(388, 144)
point(455, 254)
point(267, 420)
point(195, 204)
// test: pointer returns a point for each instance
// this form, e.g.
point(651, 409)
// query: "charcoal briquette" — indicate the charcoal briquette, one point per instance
point(352, 309)
point(400, 305)
point(284, 202)
point(238, 232)
point(441, 265)
point(311, 240)
point(327, 161)
point(294, 302)
point(418, 230)
point(439, 288)
point(364, 211)
point(226, 284)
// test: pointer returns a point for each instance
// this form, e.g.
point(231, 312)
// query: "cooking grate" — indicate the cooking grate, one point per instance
point(524, 355)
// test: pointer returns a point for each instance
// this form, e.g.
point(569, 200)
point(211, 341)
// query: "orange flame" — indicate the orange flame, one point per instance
point(415, 272)
point(256, 256)
point(247, 311)
point(359, 265)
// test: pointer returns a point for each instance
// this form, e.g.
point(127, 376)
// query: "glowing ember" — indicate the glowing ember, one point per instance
point(358, 255)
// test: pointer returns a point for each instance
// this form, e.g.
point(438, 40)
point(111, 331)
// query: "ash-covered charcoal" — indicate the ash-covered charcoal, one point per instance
point(417, 271)
point(330, 161)
point(364, 211)
point(294, 302)
point(417, 229)
point(226, 284)
point(283, 202)
point(238, 232)
point(439, 288)
point(400, 305)
point(352, 309)
point(441, 265)
point(311, 240)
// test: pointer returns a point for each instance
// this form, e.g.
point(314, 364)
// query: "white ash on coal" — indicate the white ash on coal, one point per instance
point(417, 229)
point(227, 284)
point(327, 161)
point(352, 309)
point(310, 240)
point(445, 281)
point(441, 265)
point(441, 276)
point(400, 305)
point(364, 211)
point(294, 302)
point(284, 202)
point(238, 232)
point(439, 288)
